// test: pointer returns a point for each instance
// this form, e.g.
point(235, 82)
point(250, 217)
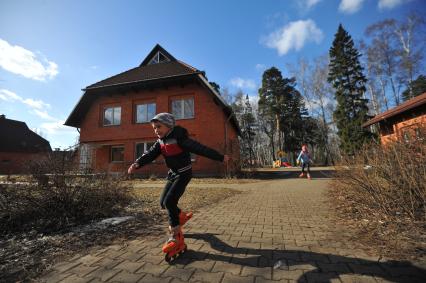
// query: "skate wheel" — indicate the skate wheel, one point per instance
point(167, 258)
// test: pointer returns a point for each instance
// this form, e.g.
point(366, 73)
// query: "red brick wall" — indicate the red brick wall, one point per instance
point(208, 127)
point(16, 162)
point(401, 126)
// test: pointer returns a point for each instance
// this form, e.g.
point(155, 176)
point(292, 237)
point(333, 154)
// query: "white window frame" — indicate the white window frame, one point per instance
point(182, 102)
point(111, 155)
point(147, 118)
point(156, 58)
point(114, 121)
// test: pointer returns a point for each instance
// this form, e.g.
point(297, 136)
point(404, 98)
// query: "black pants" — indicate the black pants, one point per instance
point(307, 167)
point(174, 189)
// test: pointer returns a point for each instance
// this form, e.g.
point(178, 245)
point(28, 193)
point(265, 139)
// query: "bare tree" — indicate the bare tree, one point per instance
point(383, 56)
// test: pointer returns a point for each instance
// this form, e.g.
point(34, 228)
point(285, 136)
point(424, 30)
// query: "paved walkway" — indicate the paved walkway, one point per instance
point(276, 231)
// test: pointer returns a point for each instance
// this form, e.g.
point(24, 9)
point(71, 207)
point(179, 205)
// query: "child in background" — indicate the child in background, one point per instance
point(304, 158)
point(175, 145)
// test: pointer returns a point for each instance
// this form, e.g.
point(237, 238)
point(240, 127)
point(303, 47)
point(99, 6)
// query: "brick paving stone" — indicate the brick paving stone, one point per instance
point(75, 279)
point(53, 277)
point(278, 274)
point(205, 265)
point(154, 269)
point(227, 267)
point(181, 273)
point(129, 266)
point(209, 277)
point(320, 277)
point(230, 278)
point(149, 278)
point(88, 259)
point(82, 270)
point(154, 259)
point(263, 280)
point(65, 266)
point(103, 274)
point(108, 262)
point(126, 277)
point(131, 256)
point(265, 272)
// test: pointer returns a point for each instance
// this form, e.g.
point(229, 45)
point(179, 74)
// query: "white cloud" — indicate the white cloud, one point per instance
point(242, 83)
point(44, 115)
point(56, 127)
point(7, 95)
point(350, 6)
point(10, 96)
point(294, 36)
point(311, 3)
point(37, 104)
point(389, 4)
point(18, 60)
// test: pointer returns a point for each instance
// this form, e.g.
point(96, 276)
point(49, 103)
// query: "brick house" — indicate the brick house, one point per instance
point(19, 145)
point(404, 122)
point(113, 115)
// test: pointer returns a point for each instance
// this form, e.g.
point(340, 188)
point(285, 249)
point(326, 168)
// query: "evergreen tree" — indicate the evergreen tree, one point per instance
point(271, 104)
point(347, 78)
point(418, 86)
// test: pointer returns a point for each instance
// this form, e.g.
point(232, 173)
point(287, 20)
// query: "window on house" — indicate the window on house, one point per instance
point(142, 147)
point(117, 153)
point(144, 112)
point(183, 108)
point(112, 116)
point(158, 58)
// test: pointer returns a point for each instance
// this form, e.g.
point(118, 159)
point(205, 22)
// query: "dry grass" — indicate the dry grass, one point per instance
point(385, 202)
point(25, 255)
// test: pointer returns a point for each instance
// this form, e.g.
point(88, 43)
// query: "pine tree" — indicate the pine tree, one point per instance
point(271, 104)
point(348, 80)
point(418, 86)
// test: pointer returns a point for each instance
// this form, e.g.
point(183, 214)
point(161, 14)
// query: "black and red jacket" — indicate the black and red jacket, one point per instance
point(176, 147)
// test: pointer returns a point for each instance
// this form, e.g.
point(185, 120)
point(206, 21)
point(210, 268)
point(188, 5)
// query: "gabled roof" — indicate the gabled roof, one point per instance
point(418, 101)
point(19, 138)
point(146, 74)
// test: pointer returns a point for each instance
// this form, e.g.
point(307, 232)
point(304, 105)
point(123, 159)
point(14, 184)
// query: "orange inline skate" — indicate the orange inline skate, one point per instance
point(175, 246)
point(184, 217)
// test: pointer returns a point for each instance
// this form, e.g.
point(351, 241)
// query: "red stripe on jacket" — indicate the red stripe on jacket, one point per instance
point(170, 149)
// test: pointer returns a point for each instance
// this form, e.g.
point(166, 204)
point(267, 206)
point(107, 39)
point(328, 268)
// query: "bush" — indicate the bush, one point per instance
point(57, 197)
point(382, 191)
point(386, 182)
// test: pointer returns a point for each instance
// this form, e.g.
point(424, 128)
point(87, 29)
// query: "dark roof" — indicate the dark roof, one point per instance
point(415, 102)
point(145, 75)
point(17, 137)
point(145, 72)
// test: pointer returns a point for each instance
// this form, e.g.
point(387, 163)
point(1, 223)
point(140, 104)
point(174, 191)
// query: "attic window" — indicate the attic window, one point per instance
point(158, 58)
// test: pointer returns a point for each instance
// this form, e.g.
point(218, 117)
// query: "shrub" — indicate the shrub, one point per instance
point(56, 197)
point(382, 192)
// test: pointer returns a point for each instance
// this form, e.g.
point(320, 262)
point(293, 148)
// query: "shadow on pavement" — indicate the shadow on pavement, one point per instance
point(318, 267)
point(291, 173)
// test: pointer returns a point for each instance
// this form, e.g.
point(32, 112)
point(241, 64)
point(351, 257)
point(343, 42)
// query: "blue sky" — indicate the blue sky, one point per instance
point(50, 50)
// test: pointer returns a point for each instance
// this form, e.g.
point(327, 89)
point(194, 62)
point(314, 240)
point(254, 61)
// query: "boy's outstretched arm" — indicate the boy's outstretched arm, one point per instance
point(147, 157)
point(200, 149)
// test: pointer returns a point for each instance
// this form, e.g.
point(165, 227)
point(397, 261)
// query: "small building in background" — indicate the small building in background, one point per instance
point(18, 146)
point(402, 123)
